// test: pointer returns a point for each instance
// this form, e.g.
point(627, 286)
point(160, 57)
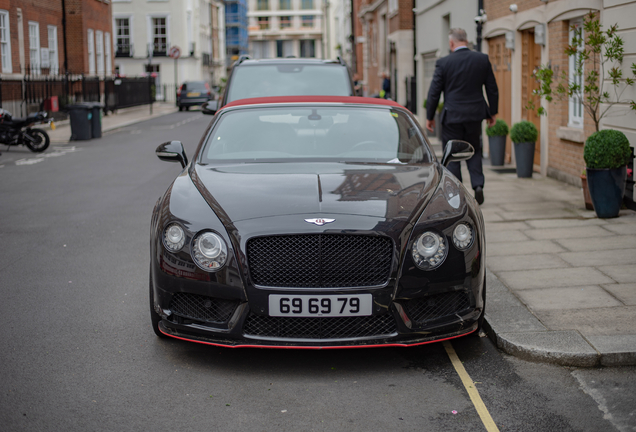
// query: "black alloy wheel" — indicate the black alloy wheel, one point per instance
point(36, 140)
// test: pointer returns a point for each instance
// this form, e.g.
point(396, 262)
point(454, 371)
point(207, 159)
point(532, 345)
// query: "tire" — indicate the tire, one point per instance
point(154, 316)
point(180, 108)
point(40, 141)
point(187, 108)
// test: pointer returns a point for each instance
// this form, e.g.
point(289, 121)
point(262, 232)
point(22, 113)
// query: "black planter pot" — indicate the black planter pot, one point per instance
point(497, 149)
point(524, 155)
point(607, 187)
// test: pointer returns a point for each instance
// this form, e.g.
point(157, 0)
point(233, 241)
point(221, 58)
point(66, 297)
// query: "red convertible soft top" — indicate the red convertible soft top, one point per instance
point(313, 99)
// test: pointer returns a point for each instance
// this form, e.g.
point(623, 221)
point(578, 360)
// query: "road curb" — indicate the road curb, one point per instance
point(516, 331)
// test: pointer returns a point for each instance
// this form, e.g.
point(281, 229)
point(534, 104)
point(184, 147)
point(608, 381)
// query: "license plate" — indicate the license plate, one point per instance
point(194, 94)
point(334, 305)
point(52, 125)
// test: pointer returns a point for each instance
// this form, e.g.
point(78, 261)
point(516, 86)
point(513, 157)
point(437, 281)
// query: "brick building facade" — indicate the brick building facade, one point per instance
point(32, 37)
point(516, 50)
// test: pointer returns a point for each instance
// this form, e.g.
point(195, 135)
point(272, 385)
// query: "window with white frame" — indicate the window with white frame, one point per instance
point(575, 106)
point(53, 59)
point(5, 42)
point(160, 36)
point(107, 54)
point(123, 45)
point(99, 51)
point(34, 46)
point(91, 51)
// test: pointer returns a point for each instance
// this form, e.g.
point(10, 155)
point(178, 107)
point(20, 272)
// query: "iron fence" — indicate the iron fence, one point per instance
point(35, 92)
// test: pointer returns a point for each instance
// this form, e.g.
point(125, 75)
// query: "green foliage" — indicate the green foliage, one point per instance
point(598, 58)
point(524, 131)
point(500, 128)
point(607, 148)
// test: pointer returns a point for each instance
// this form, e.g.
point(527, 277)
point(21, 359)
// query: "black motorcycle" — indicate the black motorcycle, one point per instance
point(18, 131)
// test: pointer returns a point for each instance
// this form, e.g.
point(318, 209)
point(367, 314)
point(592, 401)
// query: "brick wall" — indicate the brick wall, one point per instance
point(500, 8)
point(403, 20)
point(81, 15)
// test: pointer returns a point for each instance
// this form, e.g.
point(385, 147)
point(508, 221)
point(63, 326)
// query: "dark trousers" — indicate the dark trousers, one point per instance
point(470, 132)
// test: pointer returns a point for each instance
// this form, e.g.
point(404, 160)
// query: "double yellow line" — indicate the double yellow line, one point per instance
point(471, 389)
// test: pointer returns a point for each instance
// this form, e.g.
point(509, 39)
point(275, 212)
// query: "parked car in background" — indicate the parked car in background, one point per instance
point(284, 77)
point(193, 93)
point(316, 222)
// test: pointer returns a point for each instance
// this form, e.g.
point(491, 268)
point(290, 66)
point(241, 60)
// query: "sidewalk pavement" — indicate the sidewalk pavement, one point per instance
point(123, 117)
point(561, 283)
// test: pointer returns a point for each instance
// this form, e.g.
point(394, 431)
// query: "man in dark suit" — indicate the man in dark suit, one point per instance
point(461, 76)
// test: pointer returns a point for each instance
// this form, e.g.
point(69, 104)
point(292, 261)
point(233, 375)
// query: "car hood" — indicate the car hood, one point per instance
point(251, 191)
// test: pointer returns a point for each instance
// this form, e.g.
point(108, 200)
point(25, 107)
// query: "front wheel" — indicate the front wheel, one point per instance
point(36, 140)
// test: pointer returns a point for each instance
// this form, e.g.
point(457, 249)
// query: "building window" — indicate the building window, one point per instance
point(284, 4)
point(575, 105)
point(307, 4)
point(99, 51)
point(308, 48)
point(159, 37)
point(285, 22)
point(34, 46)
point(91, 51)
point(260, 49)
point(123, 47)
point(5, 42)
point(107, 55)
point(53, 60)
point(284, 48)
point(307, 21)
point(263, 23)
point(262, 5)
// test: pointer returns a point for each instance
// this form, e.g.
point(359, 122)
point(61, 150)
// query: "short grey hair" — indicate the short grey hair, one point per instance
point(458, 35)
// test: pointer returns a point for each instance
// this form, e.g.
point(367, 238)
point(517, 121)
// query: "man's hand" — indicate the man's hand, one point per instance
point(430, 125)
point(491, 121)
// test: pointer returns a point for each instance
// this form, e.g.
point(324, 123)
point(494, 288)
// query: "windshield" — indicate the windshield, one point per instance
point(288, 80)
point(347, 134)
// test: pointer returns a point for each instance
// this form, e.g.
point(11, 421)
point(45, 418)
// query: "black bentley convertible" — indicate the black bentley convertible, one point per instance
point(316, 222)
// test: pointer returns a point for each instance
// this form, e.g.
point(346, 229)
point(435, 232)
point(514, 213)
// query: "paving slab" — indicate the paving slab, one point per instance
point(569, 232)
point(523, 248)
point(564, 223)
point(600, 258)
point(531, 206)
point(505, 236)
point(547, 214)
point(524, 262)
point(559, 277)
point(611, 321)
point(626, 293)
point(620, 273)
point(615, 350)
point(606, 242)
point(585, 297)
point(621, 229)
point(506, 226)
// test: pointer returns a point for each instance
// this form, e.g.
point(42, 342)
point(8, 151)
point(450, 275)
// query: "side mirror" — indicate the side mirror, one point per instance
point(172, 151)
point(457, 150)
point(210, 107)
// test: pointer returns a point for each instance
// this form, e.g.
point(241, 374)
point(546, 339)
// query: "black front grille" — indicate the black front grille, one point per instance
point(320, 260)
point(320, 328)
point(437, 306)
point(202, 308)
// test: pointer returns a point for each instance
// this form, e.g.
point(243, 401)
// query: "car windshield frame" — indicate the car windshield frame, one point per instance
point(260, 80)
point(422, 153)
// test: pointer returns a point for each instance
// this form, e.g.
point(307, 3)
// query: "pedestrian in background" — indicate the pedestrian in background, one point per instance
point(385, 93)
point(461, 76)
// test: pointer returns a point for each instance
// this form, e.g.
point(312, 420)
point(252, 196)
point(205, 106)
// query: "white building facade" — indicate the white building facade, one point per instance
point(284, 28)
point(145, 31)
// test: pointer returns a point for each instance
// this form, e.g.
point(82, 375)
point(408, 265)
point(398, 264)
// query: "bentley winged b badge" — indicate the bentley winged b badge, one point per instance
point(319, 221)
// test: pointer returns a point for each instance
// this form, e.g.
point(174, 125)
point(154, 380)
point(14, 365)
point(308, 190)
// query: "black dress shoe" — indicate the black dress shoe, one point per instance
point(479, 195)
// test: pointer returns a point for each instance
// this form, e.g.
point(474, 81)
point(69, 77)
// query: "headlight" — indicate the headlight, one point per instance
point(429, 250)
point(173, 237)
point(209, 251)
point(462, 236)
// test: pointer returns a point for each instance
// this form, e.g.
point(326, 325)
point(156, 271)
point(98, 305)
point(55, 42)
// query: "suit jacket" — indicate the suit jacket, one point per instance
point(460, 76)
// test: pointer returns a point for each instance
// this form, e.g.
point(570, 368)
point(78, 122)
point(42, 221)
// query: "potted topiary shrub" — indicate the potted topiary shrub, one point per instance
point(497, 142)
point(606, 155)
point(524, 136)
